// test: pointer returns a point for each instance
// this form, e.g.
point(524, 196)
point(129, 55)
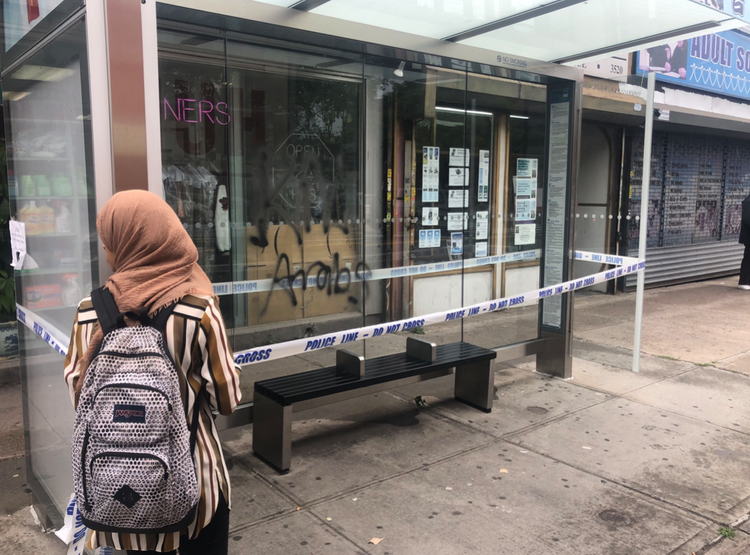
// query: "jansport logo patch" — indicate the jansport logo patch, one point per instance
point(132, 414)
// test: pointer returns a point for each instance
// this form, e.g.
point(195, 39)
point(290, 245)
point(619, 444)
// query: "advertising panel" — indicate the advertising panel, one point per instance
point(717, 62)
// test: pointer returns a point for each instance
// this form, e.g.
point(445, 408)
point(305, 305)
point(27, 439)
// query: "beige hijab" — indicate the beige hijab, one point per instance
point(155, 261)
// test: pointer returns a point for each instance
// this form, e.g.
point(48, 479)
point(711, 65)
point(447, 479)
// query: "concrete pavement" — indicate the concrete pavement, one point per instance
point(610, 462)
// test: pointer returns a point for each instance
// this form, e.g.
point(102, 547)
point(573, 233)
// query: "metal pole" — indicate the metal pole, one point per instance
point(642, 235)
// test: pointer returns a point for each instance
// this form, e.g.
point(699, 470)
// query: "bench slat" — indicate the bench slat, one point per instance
point(332, 377)
point(372, 366)
point(287, 390)
point(401, 362)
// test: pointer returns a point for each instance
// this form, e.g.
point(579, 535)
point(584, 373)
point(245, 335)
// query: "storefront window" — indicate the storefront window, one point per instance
point(355, 191)
point(195, 171)
point(52, 192)
point(297, 151)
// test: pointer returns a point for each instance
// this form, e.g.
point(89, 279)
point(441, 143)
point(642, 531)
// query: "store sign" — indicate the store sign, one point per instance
point(735, 8)
point(310, 148)
point(191, 110)
point(718, 63)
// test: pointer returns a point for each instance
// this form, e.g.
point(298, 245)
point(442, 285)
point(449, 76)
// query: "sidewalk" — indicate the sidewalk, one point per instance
point(610, 462)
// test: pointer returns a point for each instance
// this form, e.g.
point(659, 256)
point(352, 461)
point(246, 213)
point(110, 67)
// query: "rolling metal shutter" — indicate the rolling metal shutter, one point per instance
point(698, 183)
point(667, 266)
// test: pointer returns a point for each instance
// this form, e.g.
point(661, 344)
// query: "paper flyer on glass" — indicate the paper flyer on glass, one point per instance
point(458, 177)
point(429, 238)
point(430, 216)
point(483, 225)
point(484, 176)
point(457, 243)
point(525, 186)
point(430, 173)
point(459, 157)
point(457, 221)
point(458, 199)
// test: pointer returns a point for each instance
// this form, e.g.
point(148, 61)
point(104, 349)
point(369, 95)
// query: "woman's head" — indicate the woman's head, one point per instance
point(154, 260)
point(139, 229)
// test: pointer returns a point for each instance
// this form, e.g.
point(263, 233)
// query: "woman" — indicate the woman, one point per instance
point(155, 264)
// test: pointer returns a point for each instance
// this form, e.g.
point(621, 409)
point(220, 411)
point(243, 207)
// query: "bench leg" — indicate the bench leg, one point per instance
point(475, 385)
point(272, 432)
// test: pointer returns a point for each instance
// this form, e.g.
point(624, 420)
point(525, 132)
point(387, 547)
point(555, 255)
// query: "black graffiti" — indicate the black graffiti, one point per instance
point(332, 279)
point(295, 189)
point(733, 219)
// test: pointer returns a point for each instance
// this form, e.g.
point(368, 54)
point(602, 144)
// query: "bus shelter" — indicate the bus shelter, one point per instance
point(351, 172)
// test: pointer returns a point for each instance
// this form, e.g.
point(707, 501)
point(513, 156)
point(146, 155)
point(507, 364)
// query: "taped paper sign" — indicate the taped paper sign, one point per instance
point(457, 243)
point(17, 243)
point(484, 176)
point(525, 234)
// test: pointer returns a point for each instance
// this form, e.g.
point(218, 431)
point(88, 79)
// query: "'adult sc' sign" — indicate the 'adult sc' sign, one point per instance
point(717, 62)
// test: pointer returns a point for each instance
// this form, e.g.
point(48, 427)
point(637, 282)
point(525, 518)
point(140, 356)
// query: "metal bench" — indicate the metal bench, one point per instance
point(276, 399)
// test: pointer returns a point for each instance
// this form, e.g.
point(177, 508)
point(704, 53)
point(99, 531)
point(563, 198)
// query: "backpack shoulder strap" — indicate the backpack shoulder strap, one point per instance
point(160, 320)
point(109, 316)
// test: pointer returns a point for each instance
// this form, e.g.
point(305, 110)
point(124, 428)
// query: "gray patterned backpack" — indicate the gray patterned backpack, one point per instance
point(133, 468)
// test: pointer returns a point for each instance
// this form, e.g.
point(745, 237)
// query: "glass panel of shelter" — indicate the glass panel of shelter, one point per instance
point(599, 222)
point(506, 134)
point(51, 185)
point(415, 182)
point(356, 192)
point(296, 151)
point(194, 141)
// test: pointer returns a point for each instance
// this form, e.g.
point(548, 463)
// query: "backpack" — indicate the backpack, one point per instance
point(133, 468)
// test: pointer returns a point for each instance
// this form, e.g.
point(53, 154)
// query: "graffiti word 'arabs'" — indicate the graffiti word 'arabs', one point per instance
point(191, 110)
point(331, 279)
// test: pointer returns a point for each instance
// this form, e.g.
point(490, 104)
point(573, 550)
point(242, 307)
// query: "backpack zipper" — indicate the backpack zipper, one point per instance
point(86, 503)
point(131, 355)
point(127, 455)
point(133, 386)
